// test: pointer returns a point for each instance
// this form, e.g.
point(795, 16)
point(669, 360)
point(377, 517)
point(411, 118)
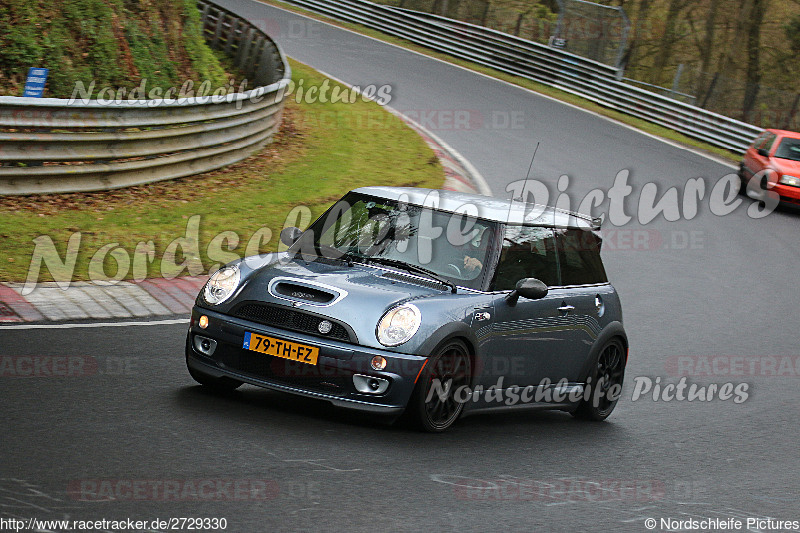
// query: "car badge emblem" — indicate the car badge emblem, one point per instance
point(325, 327)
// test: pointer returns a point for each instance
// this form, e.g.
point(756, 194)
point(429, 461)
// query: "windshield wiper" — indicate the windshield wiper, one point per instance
point(335, 254)
point(412, 268)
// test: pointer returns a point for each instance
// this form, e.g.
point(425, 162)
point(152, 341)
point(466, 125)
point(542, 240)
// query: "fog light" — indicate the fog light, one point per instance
point(378, 363)
point(205, 346)
point(203, 323)
point(370, 384)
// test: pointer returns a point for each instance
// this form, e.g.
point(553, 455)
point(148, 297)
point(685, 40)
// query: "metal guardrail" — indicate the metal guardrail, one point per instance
point(577, 75)
point(51, 145)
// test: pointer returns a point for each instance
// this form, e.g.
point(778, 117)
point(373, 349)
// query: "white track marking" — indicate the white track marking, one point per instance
point(97, 324)
point(481, 183)
point(674, 144)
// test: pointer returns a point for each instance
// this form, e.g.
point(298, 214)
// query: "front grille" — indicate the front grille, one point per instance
point(285, 318)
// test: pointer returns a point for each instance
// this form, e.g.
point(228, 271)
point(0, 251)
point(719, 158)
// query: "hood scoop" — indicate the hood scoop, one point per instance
point(306, 292)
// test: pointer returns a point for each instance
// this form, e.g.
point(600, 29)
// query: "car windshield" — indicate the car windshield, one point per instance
point(361, 228)
point(789, 149)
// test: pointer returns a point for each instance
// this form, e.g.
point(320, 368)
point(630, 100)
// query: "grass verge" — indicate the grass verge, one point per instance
point(540, 88)
point(323, 150)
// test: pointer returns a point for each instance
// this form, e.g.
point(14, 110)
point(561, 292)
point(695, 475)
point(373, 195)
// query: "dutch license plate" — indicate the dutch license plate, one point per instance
point(281, 348)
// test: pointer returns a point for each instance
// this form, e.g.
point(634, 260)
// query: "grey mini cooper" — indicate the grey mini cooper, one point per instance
point(430, 304)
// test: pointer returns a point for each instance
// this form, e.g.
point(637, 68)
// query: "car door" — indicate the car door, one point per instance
point(529, 340)
point(583, 284)
point(761, 162)
point(749, 162)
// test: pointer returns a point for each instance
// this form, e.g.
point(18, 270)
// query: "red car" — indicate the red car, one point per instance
point(778, 153)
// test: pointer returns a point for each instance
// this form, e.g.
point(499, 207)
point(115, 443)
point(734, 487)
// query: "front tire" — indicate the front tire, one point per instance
point(742, 180)
point(434, 406)
point(608, 374)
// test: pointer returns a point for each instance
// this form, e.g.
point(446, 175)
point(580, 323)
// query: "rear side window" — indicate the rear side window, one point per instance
point(527, 252)
point(579, 257)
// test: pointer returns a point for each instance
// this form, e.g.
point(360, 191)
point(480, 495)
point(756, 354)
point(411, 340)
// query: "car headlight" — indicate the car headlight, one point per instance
point(794, 181)
point(398, 325)
point(221, 285)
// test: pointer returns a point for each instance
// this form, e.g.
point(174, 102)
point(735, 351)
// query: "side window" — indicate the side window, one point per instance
point(769, 141)
point(759, 140)
point(527, 252)
point(579, 257)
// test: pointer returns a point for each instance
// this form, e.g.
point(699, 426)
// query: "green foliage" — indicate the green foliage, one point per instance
point(203, 60)
point(115, 43)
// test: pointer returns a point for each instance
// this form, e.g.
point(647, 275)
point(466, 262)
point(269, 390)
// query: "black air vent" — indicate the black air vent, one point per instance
point(301, 292)
point(417, 281)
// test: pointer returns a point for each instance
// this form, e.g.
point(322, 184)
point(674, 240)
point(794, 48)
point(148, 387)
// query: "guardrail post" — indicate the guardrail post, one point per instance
point(267, 63)
point(253, 53)
point(677, 80)
point(204, 15)
point(218, 30)
point(231, 37)
point(245, 42)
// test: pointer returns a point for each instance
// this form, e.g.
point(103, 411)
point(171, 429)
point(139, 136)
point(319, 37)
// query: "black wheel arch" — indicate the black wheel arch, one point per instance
point(611, 331)
point(448, 332)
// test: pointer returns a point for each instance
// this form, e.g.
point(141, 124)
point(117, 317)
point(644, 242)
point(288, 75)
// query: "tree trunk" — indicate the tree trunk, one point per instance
point(667, 41)
point(485, 17)
point(642, 14)
point(753, 72)
point(708, 44)
point(733, 45)
point(518, 28)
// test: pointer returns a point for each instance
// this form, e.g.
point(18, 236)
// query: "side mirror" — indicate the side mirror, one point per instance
point(763, 153)
point(289, 236)
point(530, 288)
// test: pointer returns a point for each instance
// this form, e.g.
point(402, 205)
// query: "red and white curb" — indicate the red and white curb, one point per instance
point(83, 300)
point(460, 174)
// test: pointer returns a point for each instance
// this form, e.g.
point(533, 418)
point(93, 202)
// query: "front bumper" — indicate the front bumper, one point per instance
point(788, 194)
point(330, 379)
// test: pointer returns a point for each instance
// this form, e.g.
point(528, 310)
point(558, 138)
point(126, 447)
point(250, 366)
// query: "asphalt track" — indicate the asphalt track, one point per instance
point(710, 286)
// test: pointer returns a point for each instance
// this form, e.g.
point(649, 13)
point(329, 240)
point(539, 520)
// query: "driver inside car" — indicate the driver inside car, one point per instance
point(461, 257)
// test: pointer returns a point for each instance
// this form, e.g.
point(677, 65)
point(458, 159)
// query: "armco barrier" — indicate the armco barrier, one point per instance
point(51, 145)
point(577, 75)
